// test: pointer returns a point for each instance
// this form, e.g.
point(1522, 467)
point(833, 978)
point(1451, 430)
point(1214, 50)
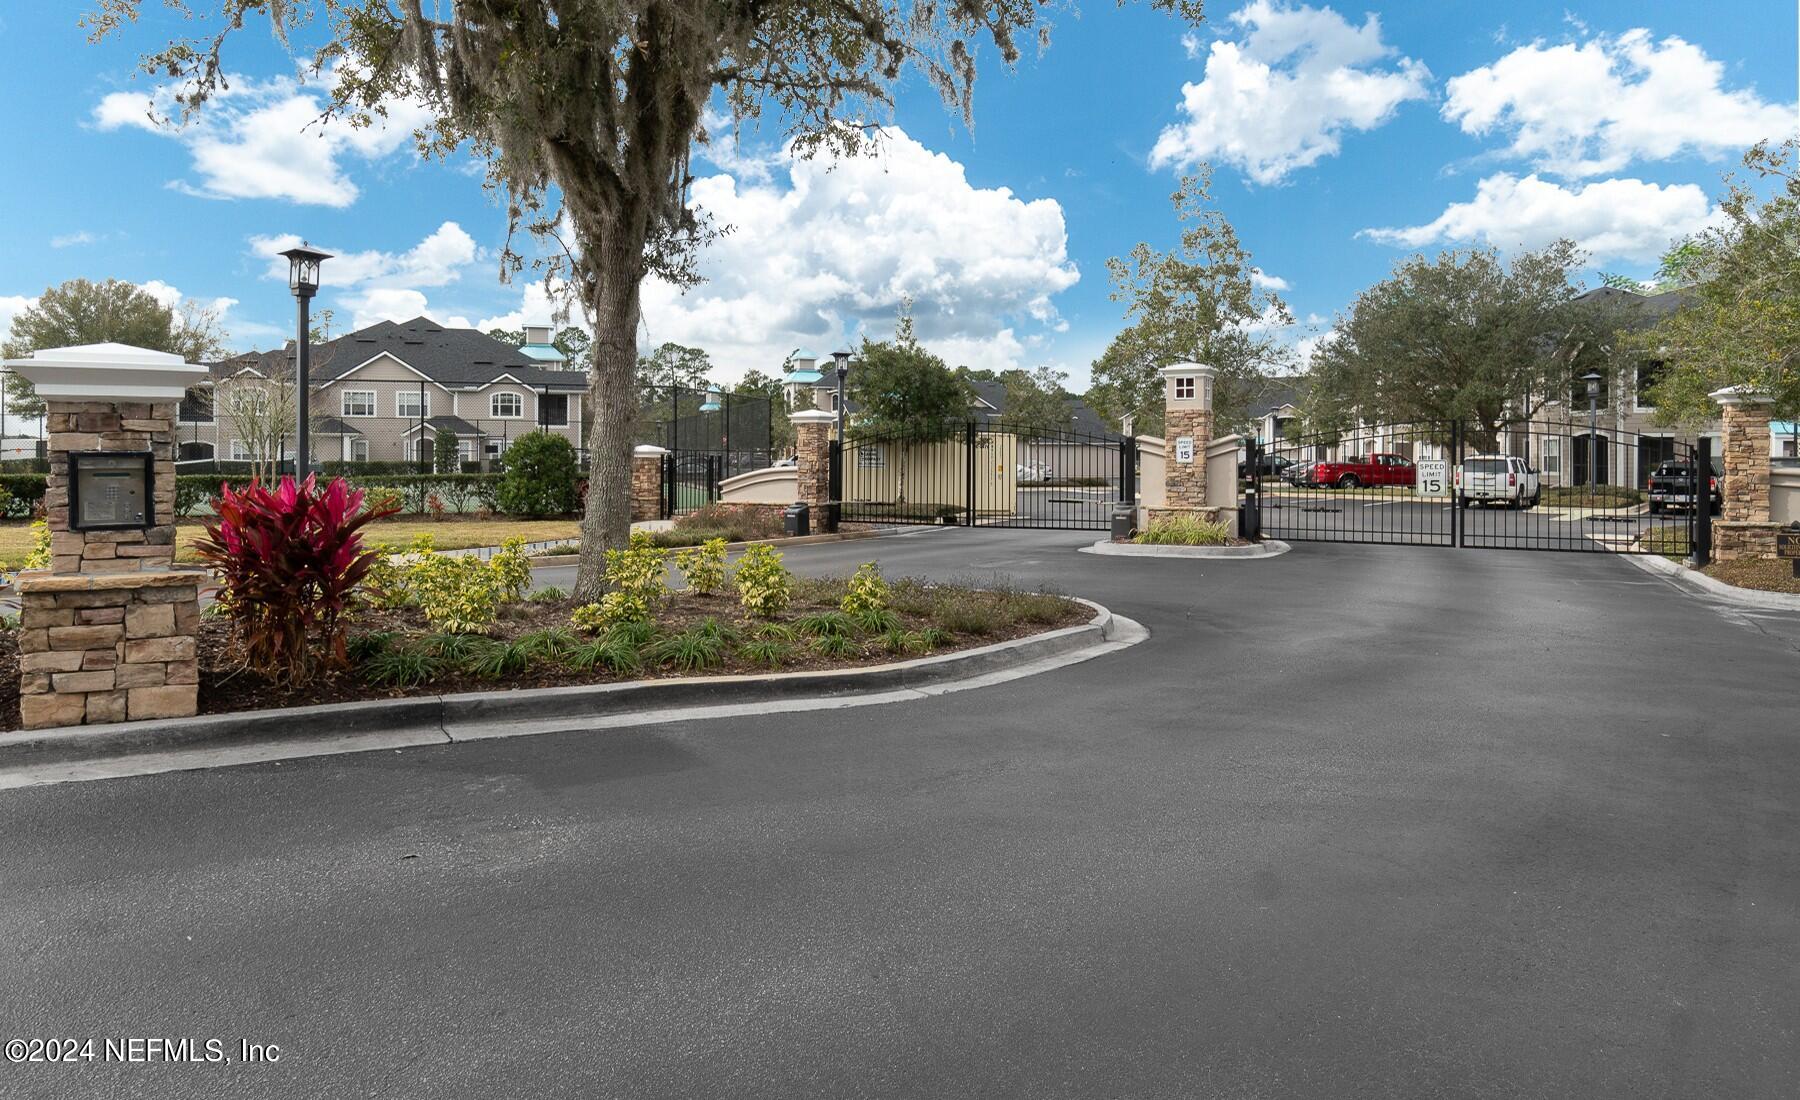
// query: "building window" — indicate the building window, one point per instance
point(1648, 374)
point(412, 405)
point(465, 450)
point(1184, 389)
point(1552, 456)
point(506, 405)
point(553, 410)
point(870, 458)
point(359, 403)
point(196, 407)
point(359, 450)
point(239, 452)
point(194, 450)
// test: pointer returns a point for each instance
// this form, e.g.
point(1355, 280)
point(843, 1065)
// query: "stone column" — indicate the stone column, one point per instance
point(647, 482)
point(1744, 528)
point(812, 450)
point(1187, 429)
point(110, 632)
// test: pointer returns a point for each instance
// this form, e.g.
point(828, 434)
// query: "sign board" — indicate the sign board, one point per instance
point(1184, 450)
point(1433, 478)
point(1787, 544)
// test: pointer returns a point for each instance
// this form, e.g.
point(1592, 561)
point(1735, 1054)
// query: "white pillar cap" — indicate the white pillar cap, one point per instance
point(108, 372)
point(649, 449)
point(1741, 395)
point(813, 416)
point(1186, 370)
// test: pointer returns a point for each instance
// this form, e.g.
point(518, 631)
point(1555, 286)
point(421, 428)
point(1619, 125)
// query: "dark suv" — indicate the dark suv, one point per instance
point(1672, 486)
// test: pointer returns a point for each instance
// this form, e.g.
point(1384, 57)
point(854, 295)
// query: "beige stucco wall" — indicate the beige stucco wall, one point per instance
point(1152, 466)
point(775, 485)
point(1784, 495)
point(937, 473)
point(1222, 472)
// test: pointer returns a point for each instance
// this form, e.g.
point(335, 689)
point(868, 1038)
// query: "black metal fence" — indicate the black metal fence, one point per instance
point(711, 434)
point(1520, 487)
point(983, 475)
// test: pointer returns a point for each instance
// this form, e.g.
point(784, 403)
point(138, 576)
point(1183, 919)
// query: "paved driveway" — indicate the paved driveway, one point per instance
point(1357, 821)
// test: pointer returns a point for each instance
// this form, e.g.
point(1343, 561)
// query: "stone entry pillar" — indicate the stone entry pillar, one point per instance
point(1187, 430)
point(109, 632)
point(1744, 528)
point(647, 482)
point(812, 451)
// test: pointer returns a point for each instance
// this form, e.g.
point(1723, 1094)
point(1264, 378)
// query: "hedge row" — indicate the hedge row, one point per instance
point(456, 492)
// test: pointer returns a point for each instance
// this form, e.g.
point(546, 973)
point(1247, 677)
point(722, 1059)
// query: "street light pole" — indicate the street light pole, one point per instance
point(842, 358)
point(1592, 378)
point(303, 280)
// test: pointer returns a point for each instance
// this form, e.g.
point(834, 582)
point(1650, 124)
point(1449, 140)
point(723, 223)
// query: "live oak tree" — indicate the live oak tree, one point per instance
point(113, 311)
point(1465, 337)
point(586, 112)
point(1741, 326)
point(1197, 302)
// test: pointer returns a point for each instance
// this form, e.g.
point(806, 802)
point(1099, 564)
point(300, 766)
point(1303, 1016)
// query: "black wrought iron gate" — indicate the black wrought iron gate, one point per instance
point(1560, 487)
point(984, 475)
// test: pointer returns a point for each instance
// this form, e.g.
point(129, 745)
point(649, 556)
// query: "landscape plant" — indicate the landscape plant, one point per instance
point(867, 591)
point(1184, 530)
point(289, 560)
point(703, 566)
point(540, 477)
point(763, 583)
point(457, 593)
point(637, 576)
point(511, 566)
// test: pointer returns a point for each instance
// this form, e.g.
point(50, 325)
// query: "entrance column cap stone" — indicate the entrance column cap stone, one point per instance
point(649, 449)
point(1741, 395)
point(813, 416)
point(108, 372)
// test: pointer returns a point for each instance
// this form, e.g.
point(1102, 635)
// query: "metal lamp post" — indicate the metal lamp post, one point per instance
point(303, 280)
point(1592, 378)
point(842, 358)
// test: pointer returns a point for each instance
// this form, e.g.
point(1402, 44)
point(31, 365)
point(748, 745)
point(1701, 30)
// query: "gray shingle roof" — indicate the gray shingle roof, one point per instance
point(451, 357)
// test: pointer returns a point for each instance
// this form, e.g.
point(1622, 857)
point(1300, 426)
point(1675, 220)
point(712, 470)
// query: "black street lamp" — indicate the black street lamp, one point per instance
point(303, 280)
point(842, 358)
point(1592, 378)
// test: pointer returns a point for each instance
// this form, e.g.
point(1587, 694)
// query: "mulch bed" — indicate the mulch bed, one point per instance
point(225, 687)
point(1764, 576)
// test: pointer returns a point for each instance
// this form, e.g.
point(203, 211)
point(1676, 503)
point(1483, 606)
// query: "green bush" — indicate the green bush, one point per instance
point(27, 492)
point(540, 476)
point(1184, 531)
point(867, 591)
point(637, 577)
point(459, 594)
point(703, 566)
point(764, 585)
point(512, 568)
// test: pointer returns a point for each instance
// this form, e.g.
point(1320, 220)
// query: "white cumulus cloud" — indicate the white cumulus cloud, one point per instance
point(1282, 98)
point(383, 286)
point(821, 251)
point(263, 139)
point(1594, 107)
point(1625, 219)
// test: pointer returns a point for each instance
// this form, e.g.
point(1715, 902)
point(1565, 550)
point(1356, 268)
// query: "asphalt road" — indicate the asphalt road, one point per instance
point(1354, 822)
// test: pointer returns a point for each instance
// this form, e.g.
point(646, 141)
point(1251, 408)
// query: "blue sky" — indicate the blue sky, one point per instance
point(1342, 139)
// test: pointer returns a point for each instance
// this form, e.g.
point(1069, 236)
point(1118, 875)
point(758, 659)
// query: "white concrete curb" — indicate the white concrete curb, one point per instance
point(1699, 584)
point(1268, 549)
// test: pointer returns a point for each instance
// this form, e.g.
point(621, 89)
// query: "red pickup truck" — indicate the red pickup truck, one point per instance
point(1376, 469)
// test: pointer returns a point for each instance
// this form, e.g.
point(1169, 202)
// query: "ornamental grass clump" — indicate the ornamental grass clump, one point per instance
point(1181, 530)
point(703, 566)
point(289, 560)
point(764, 585)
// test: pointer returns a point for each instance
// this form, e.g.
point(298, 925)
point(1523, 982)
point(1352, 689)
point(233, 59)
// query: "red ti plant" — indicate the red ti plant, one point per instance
point(288, 560)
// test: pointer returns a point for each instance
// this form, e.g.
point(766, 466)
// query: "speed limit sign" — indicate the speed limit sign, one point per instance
point(1434, 478)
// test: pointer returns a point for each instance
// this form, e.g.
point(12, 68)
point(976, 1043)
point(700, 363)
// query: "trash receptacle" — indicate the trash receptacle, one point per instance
point(1124, 522)
point(797, 520)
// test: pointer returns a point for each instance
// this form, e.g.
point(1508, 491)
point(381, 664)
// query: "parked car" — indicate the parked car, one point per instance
point(1267, 466)
point(1498, 479)
point(1033, 472)
point(1375, 469)
point(1672, 486)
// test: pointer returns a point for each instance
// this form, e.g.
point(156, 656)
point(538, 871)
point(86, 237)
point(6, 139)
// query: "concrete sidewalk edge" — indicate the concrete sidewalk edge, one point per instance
point(1270, 548)
point(1699, 584)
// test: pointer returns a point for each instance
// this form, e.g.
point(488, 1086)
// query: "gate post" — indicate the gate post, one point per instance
point(1700, 511)
point(1187, 429)
point(812, 459)
point(969, 469)
point(649, 493)
point(1745, 529)
point(834, 489)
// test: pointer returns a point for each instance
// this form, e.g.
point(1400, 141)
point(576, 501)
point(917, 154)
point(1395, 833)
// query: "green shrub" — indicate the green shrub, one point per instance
point(821, 624)
point(703, 566)
point(547, 594)
point(615, 650)
point(766, 651)
point(1182, 530)
point(365, 646)
point(735, 523)
point(512, 568)
point(834, 645)
point(866, 592)
point(27, 492)
point(495, 659)
point(764, 585)
point(776, 632)
point(876, 621)
point(695, 648)
point(898, 641)
point(39, 558)
point(932, 638)
point(458, 594)
point(967, 613)
point(540, 476)
point(403, 666)
point(589, 618)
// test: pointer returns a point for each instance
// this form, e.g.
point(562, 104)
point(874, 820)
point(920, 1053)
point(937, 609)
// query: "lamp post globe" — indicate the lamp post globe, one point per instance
point(303, 281)
point(1593, 380)
point(842, 358)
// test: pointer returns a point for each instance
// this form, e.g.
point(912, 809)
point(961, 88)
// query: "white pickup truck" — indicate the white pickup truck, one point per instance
point(1495, 479)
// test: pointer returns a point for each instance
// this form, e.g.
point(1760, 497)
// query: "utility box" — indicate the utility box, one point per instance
point(797, 520)
point(1124, 522)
